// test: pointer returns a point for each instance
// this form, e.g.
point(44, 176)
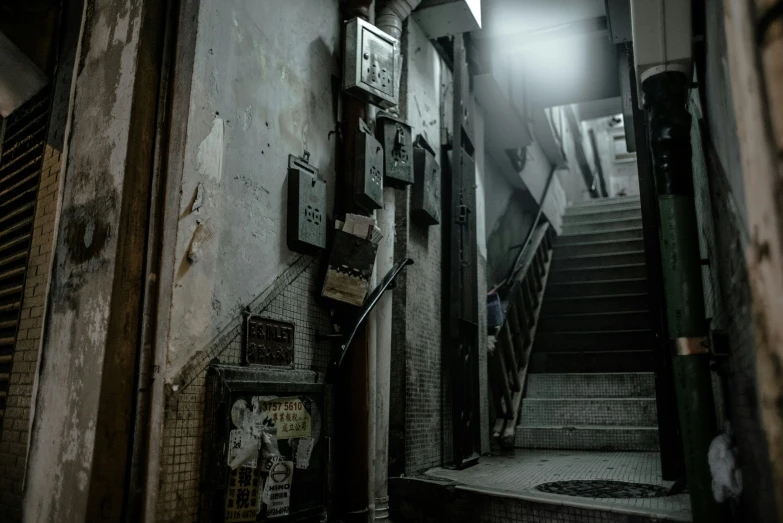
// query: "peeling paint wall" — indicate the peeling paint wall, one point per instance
point(262, 89)
point(76, 325)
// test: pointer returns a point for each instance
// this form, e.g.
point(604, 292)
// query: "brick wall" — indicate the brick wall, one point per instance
point(15, 433)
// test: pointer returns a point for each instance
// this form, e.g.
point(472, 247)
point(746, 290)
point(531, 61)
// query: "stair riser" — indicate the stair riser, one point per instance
point(560, 262)
point(631, 385)
point(585, 305)
point(597, 363)
point(587, 439)
point(606, 322)
point(597, 274)
point(591, 341)
point(613, 214)
point(595, 289)
point(606, 202)
point(597, 209)
point(623, 234)
point(608, 412)
point(594, 248)
point(583, 228)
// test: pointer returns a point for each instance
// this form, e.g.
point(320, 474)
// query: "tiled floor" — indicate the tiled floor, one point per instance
point(521, 472)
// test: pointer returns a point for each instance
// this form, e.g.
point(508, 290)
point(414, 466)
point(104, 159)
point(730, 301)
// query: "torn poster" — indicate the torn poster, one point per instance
point(242, 495)
point(242, 449)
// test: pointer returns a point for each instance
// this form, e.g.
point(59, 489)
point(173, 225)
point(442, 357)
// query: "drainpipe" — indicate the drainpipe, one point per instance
point(669, 126)
point(389, 20)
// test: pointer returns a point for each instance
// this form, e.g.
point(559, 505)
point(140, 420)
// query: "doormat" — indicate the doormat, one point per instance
point(599, 488)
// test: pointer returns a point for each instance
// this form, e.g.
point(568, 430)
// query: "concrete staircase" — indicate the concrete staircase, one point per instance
point(591, 385)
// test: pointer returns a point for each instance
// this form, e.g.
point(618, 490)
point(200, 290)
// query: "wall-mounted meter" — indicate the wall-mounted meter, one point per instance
point(372, 64)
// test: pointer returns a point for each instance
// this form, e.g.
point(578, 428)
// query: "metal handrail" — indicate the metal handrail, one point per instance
point(524, 245)
point(369, 304)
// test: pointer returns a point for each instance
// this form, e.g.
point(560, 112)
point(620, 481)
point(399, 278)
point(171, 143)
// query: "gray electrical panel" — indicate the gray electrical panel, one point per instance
point(369, 169)
point(395, 136)
point(372, 64)
point(425, 194)
point(306, 206)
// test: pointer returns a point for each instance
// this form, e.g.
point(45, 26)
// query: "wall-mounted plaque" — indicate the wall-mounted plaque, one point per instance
point(268, 342)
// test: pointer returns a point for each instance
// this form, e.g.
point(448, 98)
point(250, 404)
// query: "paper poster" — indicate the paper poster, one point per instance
point(239, 441)
point(242, 495)
point(277, 490)
point(289, 416)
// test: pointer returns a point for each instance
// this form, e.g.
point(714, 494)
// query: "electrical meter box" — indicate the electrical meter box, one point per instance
point(425, 194)
point(306, 206)
point(372, 64)
point(267, 445)
point(369, 169)
point(395, 137)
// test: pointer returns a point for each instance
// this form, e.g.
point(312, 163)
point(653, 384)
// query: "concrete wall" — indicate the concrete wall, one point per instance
point(722, 213)
point(89, 239)
point(261, 90)
point(621, 176)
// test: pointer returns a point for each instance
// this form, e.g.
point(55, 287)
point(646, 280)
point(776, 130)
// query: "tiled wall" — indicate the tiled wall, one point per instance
point(290, 298)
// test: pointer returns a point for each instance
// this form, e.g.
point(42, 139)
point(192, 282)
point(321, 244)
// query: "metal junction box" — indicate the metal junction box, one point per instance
point(369, 169)
point(395, 136)
point(306, 207)
point(425, 194)
point(371, 65)
point(267, 445)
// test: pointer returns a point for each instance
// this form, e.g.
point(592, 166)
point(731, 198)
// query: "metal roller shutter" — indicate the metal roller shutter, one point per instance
point(22, 139)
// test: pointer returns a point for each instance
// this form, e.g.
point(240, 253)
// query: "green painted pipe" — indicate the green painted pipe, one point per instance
point(669, 127)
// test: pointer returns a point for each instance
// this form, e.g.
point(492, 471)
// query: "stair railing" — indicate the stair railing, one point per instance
point(521, 297)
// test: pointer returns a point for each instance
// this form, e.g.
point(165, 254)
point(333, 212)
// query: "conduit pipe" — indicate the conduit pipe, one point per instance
point(389, 20)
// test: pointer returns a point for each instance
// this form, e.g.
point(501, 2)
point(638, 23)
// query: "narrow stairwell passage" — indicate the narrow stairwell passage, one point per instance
point(591, 385)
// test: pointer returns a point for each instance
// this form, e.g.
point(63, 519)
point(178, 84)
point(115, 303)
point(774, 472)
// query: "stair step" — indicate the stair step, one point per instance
point(599, 247)
point(591, 385)
point(592, 362)
point(592, 341)
point(583, 304)
point(630, 233)
point(578, 210)
point(560, 261)
point(613, 214)
point(593, 274)
point(598, 202)
point(617, 412)
point(587, 437)
point(601, 226)
point(596, 288)
point(594, 321)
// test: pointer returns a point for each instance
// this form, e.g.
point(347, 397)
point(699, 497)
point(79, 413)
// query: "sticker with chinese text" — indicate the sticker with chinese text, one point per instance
point(291, 416)
point(242, 495)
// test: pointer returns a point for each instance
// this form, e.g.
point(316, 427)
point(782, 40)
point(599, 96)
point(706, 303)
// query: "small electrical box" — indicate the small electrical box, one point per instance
point(395, 136)
point(371, 65)
point(369, 169)
point(425, 194)
point(306, 206)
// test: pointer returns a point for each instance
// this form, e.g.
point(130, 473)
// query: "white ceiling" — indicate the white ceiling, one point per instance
point(507, 17)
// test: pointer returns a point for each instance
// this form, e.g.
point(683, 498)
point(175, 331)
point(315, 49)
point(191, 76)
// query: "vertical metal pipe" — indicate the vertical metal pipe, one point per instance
point(355, 436)
point(669, 125)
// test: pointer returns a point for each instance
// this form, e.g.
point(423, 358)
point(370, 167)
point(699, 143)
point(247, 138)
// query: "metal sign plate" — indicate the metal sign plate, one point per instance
point(268, 342)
